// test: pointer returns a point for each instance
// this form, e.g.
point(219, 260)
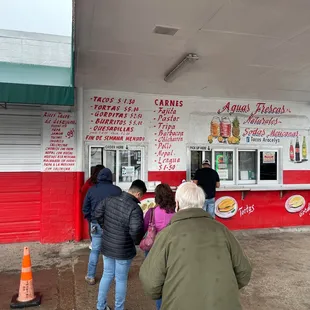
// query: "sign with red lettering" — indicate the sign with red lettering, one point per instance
point(130, 119)
point(168, 134)
point(113, 118)
point(59, 142)
point(230, 123)
point(165, 125)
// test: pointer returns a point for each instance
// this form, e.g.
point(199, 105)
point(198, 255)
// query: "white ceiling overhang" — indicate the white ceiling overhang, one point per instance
point(247, 48)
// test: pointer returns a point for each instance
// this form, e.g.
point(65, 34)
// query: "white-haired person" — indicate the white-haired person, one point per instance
point(195, 262)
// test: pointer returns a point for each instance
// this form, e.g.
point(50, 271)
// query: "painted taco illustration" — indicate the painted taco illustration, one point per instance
point(147, 204)
point(295, 203)
point(226, 207)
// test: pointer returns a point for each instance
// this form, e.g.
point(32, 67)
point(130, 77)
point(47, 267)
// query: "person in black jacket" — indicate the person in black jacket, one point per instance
point(103, 189)
point(121, 219)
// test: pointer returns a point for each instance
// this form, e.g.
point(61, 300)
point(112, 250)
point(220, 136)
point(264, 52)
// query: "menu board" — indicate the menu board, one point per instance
point(59, 141)
point(168, 134)
point(120, 118)
point(166, 125)
point(114, 118)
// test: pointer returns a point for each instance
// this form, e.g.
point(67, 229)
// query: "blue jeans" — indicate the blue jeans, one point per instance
point(209, 206)
point(157, 301)
point(118, 269)
point(96, 234)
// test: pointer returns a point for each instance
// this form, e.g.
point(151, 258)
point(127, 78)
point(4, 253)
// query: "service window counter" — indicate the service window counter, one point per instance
point(127, 163)
point(252, 193)
point(242, 165)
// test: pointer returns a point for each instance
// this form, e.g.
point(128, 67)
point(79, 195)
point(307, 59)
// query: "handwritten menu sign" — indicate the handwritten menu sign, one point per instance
point(59, 141)
point(114, 119)
point(168, 133)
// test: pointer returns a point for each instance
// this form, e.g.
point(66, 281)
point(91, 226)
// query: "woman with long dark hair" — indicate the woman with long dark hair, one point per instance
point(92, 180)
point(162, 213)
point(164, 210)
point(88, 184)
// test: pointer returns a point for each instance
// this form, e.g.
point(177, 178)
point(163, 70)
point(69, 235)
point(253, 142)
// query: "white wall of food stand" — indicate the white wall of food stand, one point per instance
point(167, 125)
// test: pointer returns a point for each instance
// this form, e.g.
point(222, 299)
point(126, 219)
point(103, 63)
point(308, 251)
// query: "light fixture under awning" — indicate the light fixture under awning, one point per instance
point(180, 67)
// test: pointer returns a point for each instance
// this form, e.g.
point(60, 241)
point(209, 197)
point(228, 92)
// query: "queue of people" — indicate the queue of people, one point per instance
point(104, 188)
point(191, 260)
point(161, 215)
point(87, 185)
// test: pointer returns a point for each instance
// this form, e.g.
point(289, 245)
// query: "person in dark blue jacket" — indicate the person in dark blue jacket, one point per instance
point(103, 189)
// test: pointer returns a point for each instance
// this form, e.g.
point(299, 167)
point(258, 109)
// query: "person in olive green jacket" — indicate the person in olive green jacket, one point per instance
point(196, 262)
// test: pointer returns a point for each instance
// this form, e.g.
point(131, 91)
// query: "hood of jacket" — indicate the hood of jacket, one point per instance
point(105, 175)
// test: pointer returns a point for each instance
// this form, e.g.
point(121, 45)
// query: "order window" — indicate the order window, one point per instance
point(197, 157)
point(126, 165)
point(239, 166)
point(256, 166)
point(268, 165)
point(223, 163)
point(247, 166)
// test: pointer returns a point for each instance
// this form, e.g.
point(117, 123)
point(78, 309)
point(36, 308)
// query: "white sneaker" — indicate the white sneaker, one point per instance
point(90, 246)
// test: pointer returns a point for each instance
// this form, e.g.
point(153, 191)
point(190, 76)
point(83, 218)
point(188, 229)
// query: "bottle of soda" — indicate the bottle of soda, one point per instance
point(291, 151)
point(297, 151)
point(304, 148)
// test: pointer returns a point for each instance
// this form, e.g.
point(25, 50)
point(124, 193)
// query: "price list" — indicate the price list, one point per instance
point(114, 119)
point(168, 134)
point(59, 142)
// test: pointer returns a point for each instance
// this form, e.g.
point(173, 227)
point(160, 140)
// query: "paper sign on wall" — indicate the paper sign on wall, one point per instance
point(59, 141)
point(128, 171)
point(269, 157)
point(223, 174)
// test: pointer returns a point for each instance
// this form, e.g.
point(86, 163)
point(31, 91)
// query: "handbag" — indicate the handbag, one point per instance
point(149, 238)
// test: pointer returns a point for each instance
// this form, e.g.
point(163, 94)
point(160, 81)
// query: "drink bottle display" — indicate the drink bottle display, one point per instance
point(291, 151)
point(304, 148)
point(215, 127)
point(225, 127)
point(297, 151)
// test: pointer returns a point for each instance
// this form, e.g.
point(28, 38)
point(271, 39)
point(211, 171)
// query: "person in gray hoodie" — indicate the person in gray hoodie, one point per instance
point(103, 189)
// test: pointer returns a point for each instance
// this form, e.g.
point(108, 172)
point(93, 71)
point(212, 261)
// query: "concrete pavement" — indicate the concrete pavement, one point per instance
point(281, 276)
point(59, 272)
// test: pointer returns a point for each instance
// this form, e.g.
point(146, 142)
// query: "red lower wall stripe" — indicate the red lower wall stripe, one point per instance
point(46, 206)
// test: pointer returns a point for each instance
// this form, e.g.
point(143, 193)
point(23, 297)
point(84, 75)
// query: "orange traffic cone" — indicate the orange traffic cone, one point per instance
point(26, 296)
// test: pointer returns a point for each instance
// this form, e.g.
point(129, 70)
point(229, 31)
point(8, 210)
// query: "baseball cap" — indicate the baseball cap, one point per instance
point(206, 162)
